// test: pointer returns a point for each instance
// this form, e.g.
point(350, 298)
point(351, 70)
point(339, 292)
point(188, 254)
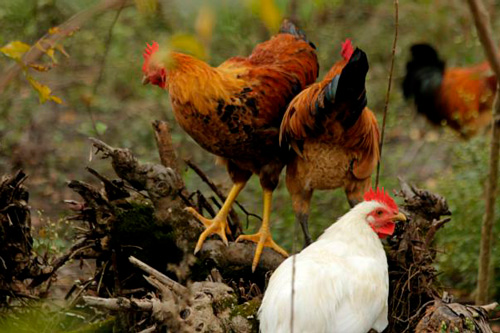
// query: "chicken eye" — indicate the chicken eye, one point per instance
point(379, 212)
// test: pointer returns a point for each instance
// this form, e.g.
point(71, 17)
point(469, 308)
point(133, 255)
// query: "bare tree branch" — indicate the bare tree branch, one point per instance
point(483, 27)
point(389, 85)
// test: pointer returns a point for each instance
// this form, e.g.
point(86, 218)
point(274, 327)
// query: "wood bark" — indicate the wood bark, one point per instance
point(483, 26)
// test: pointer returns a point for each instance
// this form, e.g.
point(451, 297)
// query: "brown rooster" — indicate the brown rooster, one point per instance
point(234, 111)
point(459, 97)
point(334, 134)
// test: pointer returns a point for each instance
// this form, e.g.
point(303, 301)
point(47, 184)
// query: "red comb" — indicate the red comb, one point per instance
point(347, 49)
point(148, 52)
point(380, 196)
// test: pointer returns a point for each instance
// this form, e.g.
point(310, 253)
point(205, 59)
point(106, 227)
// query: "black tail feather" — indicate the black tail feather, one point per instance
point(424, 74)
point(350, 89)
point(345, 95)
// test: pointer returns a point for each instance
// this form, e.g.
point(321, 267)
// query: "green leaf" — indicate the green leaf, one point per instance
point(101, 127)
point(15, 50)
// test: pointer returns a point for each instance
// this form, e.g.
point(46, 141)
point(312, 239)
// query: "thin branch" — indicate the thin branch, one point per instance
point(489, 307)
point(217, 191)
point(149, 329)
point(483, 27)
point(73, 23)
point(119, 303)
point(165, 147)
point(175, 286)
point(78, 247)
point(389, 85)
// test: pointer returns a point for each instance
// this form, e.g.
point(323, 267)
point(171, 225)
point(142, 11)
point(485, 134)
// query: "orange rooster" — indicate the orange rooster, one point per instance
point(334, 134)
point(234, 111)
point(459, 97)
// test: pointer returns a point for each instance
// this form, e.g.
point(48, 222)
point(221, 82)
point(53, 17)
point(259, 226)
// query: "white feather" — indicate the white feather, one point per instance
point(341, 282)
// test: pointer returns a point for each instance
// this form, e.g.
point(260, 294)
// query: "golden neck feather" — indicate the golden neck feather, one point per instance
point(190, 80)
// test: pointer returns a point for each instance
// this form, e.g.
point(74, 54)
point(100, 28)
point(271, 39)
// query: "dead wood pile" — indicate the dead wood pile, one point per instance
point(136, 224)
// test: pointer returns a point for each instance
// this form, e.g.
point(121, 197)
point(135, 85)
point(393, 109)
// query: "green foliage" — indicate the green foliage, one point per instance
point(463, 186)
point(52, 238)
point(45, 317)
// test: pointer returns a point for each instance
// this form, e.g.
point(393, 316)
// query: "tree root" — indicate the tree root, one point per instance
point(202, 306)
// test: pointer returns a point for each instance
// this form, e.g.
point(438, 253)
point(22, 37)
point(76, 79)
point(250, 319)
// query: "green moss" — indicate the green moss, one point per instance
point(444, 327)
point(228, 302)
point(136, 232)
point(248, 310)
point(470, 324)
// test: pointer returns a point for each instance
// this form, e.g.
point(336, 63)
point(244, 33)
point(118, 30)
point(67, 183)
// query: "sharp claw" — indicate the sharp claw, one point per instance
point(224, 238)
point(199, 244)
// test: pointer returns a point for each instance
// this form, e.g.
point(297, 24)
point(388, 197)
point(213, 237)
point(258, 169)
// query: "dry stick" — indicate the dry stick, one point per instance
point(389, 86)
point(294, 240)
point(221, 196)
point(483, 27)
point(168, 157)
point(166, 150)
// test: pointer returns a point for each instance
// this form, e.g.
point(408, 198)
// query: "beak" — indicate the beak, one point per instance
point(399, 217)
point(145, 80)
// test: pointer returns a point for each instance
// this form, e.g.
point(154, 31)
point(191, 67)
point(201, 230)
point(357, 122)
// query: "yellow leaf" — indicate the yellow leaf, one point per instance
point(15, 50)
point(271, 15)
point(189, 44)
point(54, 30)
point(205, 23)
point(61, 49)
point(50, 52)
point(39, 67)
point(56, 99)
point(44, 92)
point(146, 6)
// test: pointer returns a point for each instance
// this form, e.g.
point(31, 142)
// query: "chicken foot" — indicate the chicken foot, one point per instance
point(218, 225)
point(263, 237)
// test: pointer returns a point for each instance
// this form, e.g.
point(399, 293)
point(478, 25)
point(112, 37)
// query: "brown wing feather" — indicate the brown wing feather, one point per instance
point(276, 71)
point(300, 118)
point(364, 137)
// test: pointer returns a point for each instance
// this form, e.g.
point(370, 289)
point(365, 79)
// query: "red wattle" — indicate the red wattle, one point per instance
point(385, 230)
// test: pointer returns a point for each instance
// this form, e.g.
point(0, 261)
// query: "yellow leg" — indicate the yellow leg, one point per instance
point(218, 225)
point(263, 237)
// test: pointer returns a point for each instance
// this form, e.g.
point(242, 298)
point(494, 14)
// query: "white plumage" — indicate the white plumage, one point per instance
point(341, 281)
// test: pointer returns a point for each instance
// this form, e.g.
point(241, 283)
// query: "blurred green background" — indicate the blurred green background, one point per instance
point(49, 141)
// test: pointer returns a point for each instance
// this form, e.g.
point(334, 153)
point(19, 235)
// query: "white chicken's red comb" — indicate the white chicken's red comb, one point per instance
point(381, 196)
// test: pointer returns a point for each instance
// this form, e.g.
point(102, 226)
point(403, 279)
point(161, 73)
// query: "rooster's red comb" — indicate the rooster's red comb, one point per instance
point(347, 49)
point(381, 196)
point(148, 52)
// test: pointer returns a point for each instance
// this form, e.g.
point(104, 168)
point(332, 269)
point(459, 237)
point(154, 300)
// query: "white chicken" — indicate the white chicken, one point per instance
point(341, 280)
